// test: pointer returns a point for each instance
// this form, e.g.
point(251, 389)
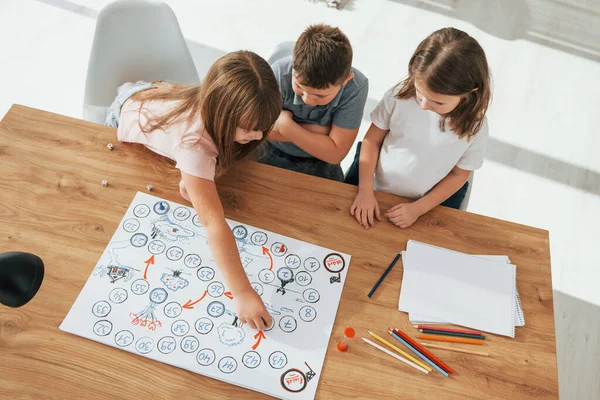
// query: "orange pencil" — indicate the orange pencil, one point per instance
point(450, 348)
point(424, 351)
point(450, 339)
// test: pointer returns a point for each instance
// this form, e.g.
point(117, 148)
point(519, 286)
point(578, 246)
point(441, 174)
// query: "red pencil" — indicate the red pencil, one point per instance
point(437, 328)
point(424, 351)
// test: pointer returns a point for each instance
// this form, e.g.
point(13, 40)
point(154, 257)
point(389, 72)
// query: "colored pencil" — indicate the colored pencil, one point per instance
point(466, 335)
point(417, 352)
point(387, 271)
point(424, 351)
point(396, 356)
point(405, 354)
point(450, 339)
point(457, 349)
point(438, 328)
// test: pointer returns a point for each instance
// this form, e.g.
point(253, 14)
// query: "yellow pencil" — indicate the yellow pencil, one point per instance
point(450, 339)
point(411, 358)
point(396, 356)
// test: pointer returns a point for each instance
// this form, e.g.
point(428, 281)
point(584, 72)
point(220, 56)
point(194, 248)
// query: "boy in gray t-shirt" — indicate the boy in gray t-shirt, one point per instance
point(323, 102)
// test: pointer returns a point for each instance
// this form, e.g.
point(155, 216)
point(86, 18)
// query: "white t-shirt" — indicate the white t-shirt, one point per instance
point(416, 154)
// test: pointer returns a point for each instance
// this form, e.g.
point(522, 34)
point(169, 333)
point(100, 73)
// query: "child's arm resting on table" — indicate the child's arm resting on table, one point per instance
point(365, 206)
point(405, 214)
point(314, 140)
point(203, 195)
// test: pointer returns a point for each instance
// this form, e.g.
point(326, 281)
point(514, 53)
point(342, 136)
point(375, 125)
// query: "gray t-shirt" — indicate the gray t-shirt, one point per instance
point(345, 110)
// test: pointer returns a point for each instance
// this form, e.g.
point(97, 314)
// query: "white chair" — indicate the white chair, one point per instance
point(134, 40)
point(465, 202)
point(282, 50)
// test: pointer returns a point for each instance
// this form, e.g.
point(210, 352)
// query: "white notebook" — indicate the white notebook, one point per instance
point(519, 315)
point(459, 288)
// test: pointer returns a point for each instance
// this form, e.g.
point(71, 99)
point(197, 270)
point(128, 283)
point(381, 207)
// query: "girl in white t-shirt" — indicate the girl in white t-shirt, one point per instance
point(427, 134)
point(205, 129)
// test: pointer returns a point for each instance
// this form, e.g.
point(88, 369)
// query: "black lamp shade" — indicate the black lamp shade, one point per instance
point(21, 275)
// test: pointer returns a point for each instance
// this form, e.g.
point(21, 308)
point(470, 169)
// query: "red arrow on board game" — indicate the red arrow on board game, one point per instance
point(229, 295)
point(260, 335)
point(148, 262)
point(190, 305)
point(266, 251)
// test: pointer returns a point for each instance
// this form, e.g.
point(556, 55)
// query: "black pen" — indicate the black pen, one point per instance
point(384, 274)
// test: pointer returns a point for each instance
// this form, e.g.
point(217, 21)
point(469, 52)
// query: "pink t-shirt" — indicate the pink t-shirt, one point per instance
point(184, 141)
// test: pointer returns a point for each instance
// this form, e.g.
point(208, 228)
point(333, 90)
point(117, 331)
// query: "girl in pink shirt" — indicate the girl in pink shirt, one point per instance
point(205, 129)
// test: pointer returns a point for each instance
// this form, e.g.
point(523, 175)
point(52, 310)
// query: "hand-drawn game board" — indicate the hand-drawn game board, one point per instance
point(157, 292)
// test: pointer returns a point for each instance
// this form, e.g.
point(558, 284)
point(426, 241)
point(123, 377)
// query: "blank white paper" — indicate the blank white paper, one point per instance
point(459, 288)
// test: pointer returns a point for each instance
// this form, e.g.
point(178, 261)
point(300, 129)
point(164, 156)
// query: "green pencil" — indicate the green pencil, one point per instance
point(445, 333)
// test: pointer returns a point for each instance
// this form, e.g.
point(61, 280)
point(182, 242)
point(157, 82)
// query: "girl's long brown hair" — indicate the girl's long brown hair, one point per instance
point(450, 62)
point(240, 90)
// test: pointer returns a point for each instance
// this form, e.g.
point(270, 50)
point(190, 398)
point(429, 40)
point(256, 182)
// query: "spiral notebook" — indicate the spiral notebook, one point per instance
point(519, 315)
point(465, 290)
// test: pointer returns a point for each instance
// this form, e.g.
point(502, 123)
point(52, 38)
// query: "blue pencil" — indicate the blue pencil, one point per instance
point(387, 271)
point(417, 352)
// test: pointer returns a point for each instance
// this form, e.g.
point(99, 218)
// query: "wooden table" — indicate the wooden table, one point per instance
point(52, 204)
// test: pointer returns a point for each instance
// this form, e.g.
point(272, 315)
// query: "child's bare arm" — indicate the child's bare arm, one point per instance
point(369, 155)
point(405, 214)
point(314, 140)
point(314, 128)
point(275, 136)
point(443, 190)
point(205, 199)
point(365, 207)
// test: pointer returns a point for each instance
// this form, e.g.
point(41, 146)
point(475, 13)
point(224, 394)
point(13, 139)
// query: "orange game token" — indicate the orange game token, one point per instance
point(342, 346)
point(349, 333)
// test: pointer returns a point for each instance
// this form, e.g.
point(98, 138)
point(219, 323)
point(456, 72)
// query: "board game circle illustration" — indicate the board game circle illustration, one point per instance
point(334, 262)
point(161, 207)
point(259, 238)
point(293, 380)
point(101, 309)
point(103, 327)
point(124, 338)
point(141, 211)
point(166, 344)
point(139, 240)
point(181, 213)
point(205, 357)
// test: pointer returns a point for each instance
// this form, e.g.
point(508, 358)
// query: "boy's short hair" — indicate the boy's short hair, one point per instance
point(322, 56)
